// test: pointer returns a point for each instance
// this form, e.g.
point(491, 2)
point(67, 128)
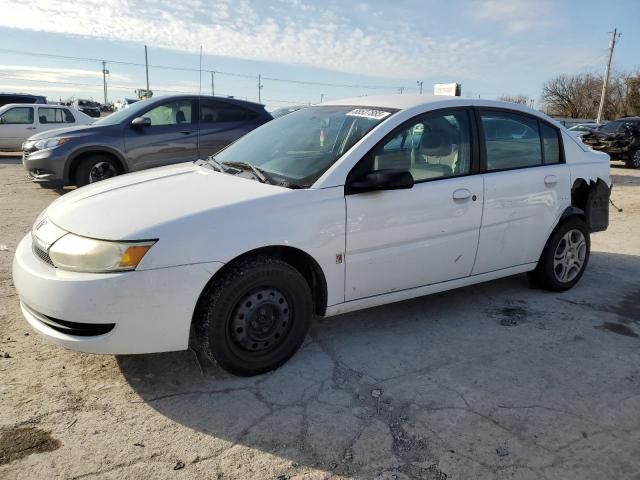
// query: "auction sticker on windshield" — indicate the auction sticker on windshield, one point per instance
point(368, 113)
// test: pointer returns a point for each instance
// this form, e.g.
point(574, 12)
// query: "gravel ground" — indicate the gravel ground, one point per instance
point(498, 380)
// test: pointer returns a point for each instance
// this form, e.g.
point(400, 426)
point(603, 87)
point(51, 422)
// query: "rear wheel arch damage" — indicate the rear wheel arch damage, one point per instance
point(590, 200)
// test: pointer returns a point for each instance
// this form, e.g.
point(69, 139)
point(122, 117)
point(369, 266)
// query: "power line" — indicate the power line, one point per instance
point(188, 69)
point(130, 87)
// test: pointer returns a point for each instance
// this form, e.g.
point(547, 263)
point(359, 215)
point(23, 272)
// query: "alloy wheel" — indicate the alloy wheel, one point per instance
point(102, 171)
point(569, 256)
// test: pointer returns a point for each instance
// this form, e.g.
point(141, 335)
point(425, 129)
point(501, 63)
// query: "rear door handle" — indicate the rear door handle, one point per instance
point(31, 128)
point(461, 194)
point(550, 180)
point(185, 132)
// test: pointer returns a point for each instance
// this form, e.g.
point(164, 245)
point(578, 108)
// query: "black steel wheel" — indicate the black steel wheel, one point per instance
point(254, 317)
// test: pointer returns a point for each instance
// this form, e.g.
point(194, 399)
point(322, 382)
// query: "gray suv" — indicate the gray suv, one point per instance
point(150, 133)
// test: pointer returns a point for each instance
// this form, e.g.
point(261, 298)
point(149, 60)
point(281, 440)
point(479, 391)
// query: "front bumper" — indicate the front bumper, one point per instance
point(143, 311)
point(46, 166)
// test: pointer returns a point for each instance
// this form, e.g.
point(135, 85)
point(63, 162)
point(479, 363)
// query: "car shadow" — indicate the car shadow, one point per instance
point(352, 400)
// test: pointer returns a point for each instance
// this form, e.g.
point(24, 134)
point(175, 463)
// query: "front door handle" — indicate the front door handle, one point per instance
point(550, 180)
point(185, 132)
point(31, 128)
point(461, 194)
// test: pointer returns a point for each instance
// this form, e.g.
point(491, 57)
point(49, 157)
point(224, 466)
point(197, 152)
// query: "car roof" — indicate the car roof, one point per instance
point(626, 119)
point(233, 100)
point(406, 102)
point(6, 94)
point(47, 105)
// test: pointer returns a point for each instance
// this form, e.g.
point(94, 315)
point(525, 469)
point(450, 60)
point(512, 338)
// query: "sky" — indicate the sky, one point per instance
point(308, 50)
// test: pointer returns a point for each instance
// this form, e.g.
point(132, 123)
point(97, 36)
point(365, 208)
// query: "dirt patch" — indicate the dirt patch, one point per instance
point(509, 316)
point(618, 328)
point(20, 442)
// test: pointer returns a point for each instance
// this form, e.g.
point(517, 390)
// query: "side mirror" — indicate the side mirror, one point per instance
point(141, 122)
point(381, 180)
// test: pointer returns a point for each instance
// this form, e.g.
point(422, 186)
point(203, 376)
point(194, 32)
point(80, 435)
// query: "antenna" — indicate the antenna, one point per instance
point(200, 73)
point(199, 104)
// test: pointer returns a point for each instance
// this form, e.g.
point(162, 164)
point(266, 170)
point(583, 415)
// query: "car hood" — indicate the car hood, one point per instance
point(75, 130)
point(142, 205)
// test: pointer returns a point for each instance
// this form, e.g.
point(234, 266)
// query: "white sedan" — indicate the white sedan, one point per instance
point(19, 121)
point(329, 209)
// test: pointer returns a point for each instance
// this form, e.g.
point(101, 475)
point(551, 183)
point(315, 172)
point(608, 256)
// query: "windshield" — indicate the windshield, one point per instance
point(611, 127)
point(117, 117)
point(301, 146)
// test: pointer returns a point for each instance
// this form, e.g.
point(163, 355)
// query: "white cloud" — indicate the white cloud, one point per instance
point(514, 15)
point(47, 74)
point(293, 32)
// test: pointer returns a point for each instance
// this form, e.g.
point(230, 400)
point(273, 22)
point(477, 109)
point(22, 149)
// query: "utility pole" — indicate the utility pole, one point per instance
point(400, 90)
point(146, 64)
point(259, 88)
point(420, 82)
point(605, 83)
point(321, 97)
point(213, 83)
point(104, 79)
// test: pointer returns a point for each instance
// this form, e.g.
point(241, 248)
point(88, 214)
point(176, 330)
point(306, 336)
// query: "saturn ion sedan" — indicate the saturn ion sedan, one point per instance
point(327, 210)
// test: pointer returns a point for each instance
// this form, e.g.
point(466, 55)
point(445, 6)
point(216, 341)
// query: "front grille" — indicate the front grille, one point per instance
point(72, 328)
point(42, 254)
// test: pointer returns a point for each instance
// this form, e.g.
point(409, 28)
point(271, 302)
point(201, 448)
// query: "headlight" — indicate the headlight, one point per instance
point(50, 143)
point(82, 254)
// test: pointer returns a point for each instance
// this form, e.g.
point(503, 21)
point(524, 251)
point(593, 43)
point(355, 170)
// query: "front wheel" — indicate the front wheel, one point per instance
point(94, 169)
point(565, 257)
point(255, 317)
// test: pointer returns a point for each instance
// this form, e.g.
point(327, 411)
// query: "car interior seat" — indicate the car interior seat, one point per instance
point(42, 119)
point(180, 117)
point(437, 152)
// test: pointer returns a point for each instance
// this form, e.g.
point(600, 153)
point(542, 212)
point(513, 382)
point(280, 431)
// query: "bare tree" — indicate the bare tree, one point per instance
point(578, 96)
point(520, 99)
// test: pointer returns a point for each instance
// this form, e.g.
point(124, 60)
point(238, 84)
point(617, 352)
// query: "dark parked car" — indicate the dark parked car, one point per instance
point(619, 138)
point(88, 107)
point(6, 98)
point(150, 133)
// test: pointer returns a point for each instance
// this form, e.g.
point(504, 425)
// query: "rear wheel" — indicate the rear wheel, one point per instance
point(634, 160)
point(565, 256)
point(255, 317)
point(95, 168)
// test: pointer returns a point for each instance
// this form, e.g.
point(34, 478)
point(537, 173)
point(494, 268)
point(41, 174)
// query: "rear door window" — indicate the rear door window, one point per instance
point(212, 111)
point(55, 115)
point(511, 140)
point(18, 116)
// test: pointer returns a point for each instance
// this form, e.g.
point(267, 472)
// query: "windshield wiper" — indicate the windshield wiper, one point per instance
point(256, 171)
point(216, 164)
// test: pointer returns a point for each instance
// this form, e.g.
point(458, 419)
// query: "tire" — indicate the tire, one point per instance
point(634, 159)
point(255, 317)
point(557, 272)
point(95, 168)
